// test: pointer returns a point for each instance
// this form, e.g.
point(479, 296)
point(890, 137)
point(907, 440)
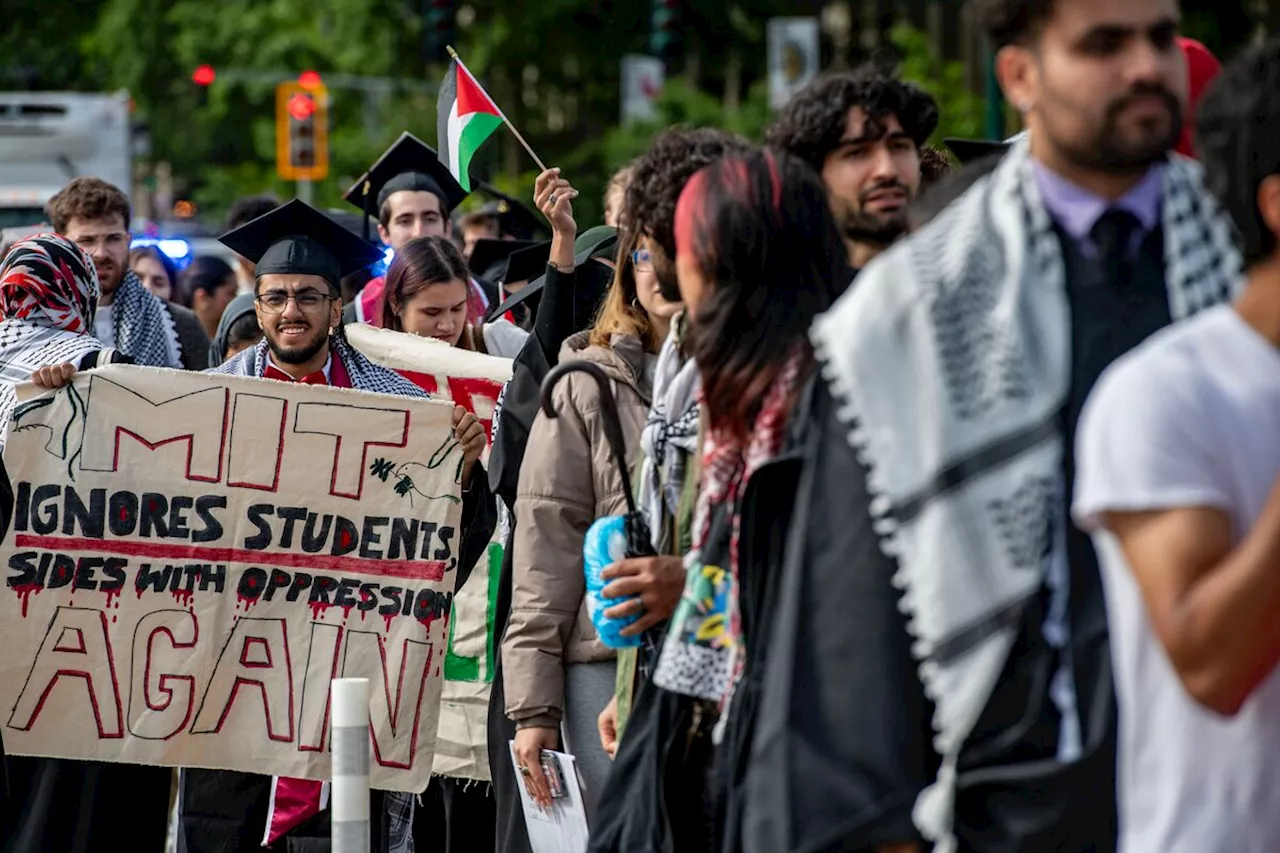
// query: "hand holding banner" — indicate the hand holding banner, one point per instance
point(193, 558)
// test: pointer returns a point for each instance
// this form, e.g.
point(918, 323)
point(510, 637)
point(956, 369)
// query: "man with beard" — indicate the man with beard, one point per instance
point(95, 215)
point(300, 257)
point(1178, 475)
point(862, 131)
point(953, 378)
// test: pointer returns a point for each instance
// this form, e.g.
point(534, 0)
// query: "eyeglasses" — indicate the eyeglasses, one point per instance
point(642, 260)
point(114, 241)
point(308, 301)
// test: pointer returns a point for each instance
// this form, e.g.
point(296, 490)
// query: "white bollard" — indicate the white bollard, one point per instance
point(349, 797)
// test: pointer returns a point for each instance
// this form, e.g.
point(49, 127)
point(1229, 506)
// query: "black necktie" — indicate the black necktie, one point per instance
point(1113, 236)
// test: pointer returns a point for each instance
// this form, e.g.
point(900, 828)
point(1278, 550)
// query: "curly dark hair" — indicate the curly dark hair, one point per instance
point(1237, 125)
point(934, 166)
point(1009, 22)
point(812, 123)
point(87, 198)
point(661, 173)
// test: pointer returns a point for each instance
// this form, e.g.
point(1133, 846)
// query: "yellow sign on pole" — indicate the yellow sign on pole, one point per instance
point(302, 132)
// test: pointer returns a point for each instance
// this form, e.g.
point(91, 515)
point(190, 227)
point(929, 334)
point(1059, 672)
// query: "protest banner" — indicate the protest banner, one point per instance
point(474, 381)
point(192, 558)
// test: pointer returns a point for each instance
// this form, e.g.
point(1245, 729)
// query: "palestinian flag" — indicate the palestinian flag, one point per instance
point(466, 116)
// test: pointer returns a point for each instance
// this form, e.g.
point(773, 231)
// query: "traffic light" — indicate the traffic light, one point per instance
point(203, 77)
point(302, 132)
point(666, 41)
point(438, 20)
point(310, 80)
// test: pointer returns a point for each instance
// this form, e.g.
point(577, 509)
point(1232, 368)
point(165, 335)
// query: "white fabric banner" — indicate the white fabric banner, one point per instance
point(471, 380)
point(192, 558)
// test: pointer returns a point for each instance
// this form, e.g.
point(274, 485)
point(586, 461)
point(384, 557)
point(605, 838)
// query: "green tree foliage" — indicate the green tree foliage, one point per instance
point(552, 65)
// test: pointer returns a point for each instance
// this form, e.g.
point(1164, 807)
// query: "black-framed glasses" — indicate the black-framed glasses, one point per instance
point(308, 301)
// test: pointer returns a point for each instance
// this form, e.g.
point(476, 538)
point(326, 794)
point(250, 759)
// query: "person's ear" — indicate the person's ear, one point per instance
point(1269, 204)
point(383, 235)
point(1019, 77)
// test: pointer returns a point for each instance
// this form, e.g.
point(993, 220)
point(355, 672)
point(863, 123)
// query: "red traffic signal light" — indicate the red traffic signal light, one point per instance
point(204, 75)
point(302, 132)
point(310, 80)
point(301, 106)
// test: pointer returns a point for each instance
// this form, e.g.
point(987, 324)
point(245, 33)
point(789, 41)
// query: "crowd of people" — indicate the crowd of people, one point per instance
point(959, 480)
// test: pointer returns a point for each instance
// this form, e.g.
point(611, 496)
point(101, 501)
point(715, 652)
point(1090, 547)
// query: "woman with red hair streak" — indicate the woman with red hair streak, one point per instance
point(758, 256)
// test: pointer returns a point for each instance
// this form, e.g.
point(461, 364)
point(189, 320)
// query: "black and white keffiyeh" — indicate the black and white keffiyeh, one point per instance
point(365, 375)
point(951, 361)
point(144, 327)
point(670, 434)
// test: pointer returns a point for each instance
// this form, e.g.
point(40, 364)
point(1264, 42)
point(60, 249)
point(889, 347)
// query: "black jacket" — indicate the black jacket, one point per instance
point(193, 340)
point(843, 742)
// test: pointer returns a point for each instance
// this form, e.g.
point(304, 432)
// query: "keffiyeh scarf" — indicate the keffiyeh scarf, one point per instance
point(702, 653)
point(144, 327)
point(951, 361)
point(365, 375)
point(48, 295)
point(670, 435)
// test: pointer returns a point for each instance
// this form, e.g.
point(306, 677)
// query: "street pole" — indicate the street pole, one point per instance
point(305, 194)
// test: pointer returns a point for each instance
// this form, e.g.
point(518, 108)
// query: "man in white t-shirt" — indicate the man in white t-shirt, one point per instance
point(1179, 482)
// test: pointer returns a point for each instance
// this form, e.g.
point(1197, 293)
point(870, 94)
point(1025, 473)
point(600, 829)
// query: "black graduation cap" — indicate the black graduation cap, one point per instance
point(487, 255)
point(409, 164)
point(515, 217)
point(296, 238)
point(528, 263)
point(593, 279)
point(971, 150)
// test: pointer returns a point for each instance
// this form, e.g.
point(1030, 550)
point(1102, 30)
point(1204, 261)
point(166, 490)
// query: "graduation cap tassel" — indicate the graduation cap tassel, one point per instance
point(367, 210)
point(453, 54)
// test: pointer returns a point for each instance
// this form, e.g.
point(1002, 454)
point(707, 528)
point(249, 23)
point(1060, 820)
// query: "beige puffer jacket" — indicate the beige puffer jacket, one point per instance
point(568, 479)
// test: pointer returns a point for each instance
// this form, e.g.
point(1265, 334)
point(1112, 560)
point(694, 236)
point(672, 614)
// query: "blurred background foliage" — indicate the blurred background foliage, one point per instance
point(552, 65)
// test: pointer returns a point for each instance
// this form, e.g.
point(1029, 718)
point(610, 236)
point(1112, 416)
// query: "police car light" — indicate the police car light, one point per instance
point(174, 249)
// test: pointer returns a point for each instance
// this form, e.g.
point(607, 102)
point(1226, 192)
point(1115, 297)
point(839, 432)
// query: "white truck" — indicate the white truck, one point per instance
point(48, 138)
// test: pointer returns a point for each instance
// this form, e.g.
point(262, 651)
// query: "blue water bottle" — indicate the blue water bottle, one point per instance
point(606, 544)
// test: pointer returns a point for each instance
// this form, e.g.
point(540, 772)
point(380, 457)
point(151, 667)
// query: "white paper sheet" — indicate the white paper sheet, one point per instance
point(562, 828)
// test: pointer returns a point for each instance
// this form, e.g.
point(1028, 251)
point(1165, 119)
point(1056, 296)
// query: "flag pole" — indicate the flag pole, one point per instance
point(536, 159)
